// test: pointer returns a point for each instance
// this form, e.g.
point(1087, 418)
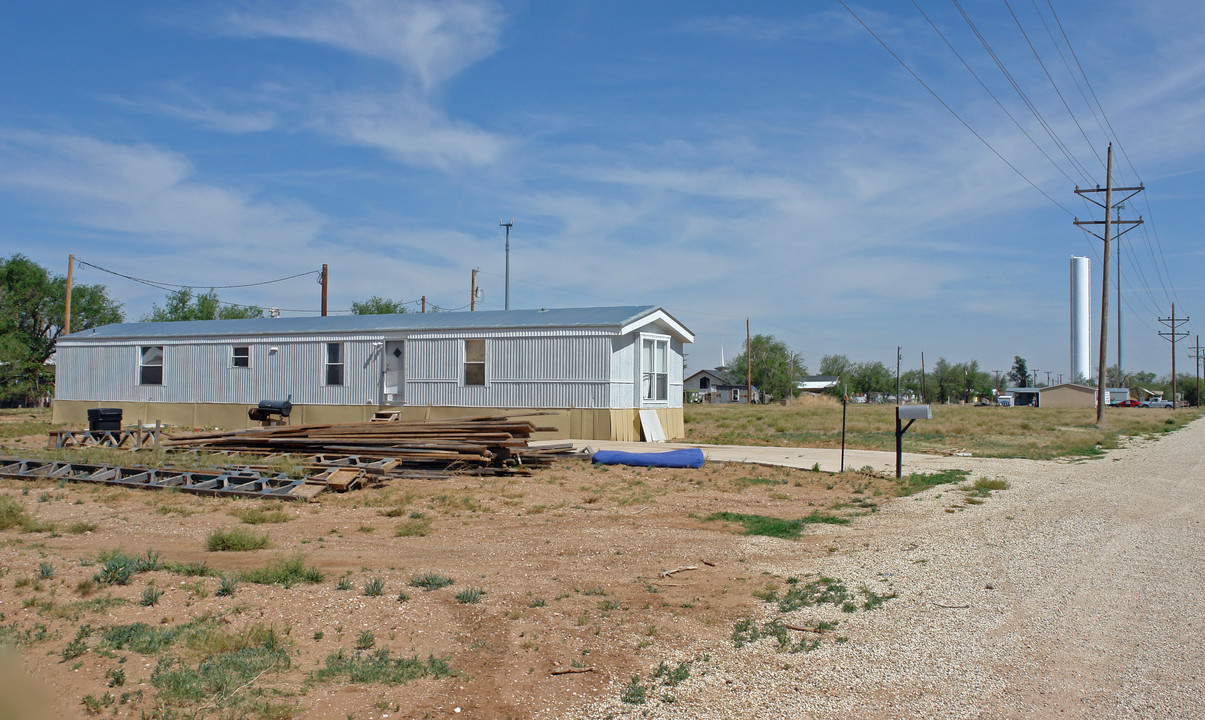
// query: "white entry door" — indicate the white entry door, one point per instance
point(395, 365)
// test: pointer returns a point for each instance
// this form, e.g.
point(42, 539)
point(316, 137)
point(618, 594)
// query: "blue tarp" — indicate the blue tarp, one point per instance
point(685, 458)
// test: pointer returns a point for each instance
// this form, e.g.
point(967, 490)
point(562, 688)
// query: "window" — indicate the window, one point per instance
point(240, 356)
point(334, 363)
point(474, 362)
point(150, 365)
point(704, 382)
point(655, 368)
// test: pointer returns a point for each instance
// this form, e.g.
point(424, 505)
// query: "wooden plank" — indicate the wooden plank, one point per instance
point(308, 492)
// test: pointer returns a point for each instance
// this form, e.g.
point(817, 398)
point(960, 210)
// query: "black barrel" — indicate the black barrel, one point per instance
point(104, 419)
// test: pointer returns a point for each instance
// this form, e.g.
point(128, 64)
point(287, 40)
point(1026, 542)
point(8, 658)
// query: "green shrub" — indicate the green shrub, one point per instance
point(379, 668)
point(235, 539)
point(430, 581)
point(283, 571)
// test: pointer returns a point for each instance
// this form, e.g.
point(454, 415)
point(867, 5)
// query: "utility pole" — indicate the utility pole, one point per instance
point(424, 303)
point(1035, 377)
point(997, 377)
point(1194, 352)
point(473, 292)
point(924, 391)
point(898, 358)
point(1047, 377)
point(1104, 285)
point(1171, 333)
point(508, 224)
point(748, 365)
point(323, 281)
point(67, 311)
point(1117, 222)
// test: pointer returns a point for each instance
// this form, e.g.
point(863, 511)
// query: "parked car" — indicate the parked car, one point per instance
point(1157, 404)
point(1125, 403)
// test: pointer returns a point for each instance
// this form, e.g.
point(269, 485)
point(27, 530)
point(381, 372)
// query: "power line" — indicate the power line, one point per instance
point(1146, 200)
point(1052, 83)
point(1022, 95)
point(986, 89)
point(951, 110)
point(163, 285)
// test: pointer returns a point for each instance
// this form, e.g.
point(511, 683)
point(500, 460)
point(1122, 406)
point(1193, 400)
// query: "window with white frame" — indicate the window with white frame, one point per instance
point(654, 366)
point(150, 365)
point(240, 356)
point(474, 362)
point(334, 363)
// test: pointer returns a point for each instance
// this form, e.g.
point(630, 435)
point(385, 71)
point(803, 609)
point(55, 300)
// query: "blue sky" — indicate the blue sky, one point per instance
point(761, 160)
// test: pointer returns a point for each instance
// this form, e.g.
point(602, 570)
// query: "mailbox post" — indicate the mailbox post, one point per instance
point(911, 413)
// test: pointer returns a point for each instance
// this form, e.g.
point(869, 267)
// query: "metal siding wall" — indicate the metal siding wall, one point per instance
point(623, 372)
point(553, 372)
point(675, 373)
point(200, 372)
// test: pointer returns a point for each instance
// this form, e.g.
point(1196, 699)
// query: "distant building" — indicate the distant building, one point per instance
point(716, 386)
point(1065, 395)
point(818, 383)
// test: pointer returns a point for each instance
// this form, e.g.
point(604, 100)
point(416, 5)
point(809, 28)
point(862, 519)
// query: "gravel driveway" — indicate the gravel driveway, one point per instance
point(1076, 593)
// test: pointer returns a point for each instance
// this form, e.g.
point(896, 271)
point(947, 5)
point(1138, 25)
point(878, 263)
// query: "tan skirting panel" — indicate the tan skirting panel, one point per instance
point(576, 423)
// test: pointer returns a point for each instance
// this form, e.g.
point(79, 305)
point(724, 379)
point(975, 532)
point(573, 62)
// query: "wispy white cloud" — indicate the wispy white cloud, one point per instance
point(407, 128)
point(186, 105)
point(148, 194)
point(430, 41)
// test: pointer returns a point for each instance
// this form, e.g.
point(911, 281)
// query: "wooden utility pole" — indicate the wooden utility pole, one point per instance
point(748, 365)
point(323, 289)
point(1171, 333)
point(1108, 222)
point(898, 358)
point(924, 390)
point(424, 303)
point(1195, 353)
point(67, 311)
point(473, 292)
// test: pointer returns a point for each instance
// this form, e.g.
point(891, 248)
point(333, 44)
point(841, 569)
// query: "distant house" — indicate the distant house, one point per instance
point(1065, 395)
point(715, 386)
point(818, 383)
point(589, 370)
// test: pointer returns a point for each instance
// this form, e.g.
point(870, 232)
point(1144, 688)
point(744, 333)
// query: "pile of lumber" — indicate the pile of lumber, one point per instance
point(488, 445)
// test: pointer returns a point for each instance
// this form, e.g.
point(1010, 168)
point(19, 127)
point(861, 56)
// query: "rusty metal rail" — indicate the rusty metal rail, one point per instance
point(237, 482)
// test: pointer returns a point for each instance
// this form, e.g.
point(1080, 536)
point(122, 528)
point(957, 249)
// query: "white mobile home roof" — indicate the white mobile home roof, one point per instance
point(604, 317)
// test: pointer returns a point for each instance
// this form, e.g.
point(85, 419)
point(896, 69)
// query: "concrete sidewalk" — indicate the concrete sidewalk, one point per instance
point(829, 459)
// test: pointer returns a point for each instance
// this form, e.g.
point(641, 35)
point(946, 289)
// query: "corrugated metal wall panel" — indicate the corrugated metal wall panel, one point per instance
point(505, 394)
point(623, 372)
point(586, 369)
point(202, 373)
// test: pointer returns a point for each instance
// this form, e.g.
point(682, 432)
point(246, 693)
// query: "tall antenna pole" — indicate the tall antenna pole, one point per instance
point(473, 292)
point(67, 311)
point(1104, 285)
point(508, 224)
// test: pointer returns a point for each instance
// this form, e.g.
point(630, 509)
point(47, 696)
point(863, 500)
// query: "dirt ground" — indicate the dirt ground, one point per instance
point(590, 576)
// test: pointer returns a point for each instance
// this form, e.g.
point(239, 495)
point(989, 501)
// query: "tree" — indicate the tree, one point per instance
point(183, 305)
point(1019, 374)
point(872, 377)
point(838, 365)
point(32, 304)
point(378, 306)
point(775, 368)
